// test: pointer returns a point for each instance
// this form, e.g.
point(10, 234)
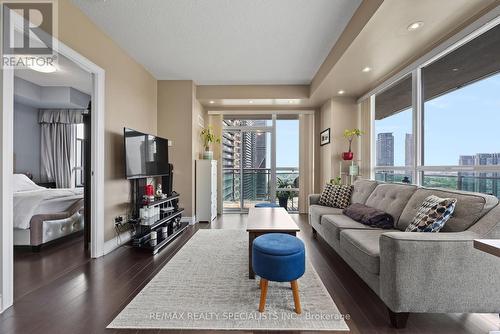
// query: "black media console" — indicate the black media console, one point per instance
point(166, 223)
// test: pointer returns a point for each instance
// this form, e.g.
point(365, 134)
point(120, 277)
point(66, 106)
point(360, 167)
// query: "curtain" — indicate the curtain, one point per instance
point(58, 136)
point(306, 160)
point(364, 142)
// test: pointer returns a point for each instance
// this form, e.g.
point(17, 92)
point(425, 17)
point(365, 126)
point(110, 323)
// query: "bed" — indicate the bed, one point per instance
point(42, 215)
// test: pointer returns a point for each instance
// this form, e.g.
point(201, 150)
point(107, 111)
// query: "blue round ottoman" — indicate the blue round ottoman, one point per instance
point(278, 257)
point(267, 205)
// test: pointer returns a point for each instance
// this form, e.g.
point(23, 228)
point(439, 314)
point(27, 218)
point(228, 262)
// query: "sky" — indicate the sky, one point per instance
point(463, 122)
point(287, 143)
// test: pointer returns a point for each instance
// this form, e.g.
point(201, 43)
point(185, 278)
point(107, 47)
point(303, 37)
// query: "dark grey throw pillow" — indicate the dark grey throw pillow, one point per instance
point(336, 196)
point(369, 216)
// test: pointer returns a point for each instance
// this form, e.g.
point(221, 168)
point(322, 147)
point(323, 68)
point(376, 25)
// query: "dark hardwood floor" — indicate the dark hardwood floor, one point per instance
point(61, 291)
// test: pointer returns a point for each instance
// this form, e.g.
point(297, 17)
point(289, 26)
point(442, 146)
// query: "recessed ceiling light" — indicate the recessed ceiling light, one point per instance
point(415, 26)
point(212, 102)
point(43, 69)
point(250, 101)
point(341, 91)
point(455, 69)
point(367, 69)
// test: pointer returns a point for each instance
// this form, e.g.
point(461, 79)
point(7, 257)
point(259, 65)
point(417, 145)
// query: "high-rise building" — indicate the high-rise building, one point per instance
point(409, 156)
point(247, 150)
point(466, 180)
point(483, 182)
point(231, 161)
point(385, 149)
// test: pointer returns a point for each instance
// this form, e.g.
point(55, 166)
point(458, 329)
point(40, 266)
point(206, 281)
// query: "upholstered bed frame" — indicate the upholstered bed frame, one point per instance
point(45, 228)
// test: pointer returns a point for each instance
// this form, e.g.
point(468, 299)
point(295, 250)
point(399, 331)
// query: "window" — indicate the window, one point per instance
point(457, 143)
point(79, 156)
point(461, 116)
point(287, 161)
point(249, 174)
point(394, 132)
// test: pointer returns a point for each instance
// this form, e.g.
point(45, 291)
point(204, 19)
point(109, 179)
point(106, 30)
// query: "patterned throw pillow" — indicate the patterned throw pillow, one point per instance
point(432, 214)
point(336, 196)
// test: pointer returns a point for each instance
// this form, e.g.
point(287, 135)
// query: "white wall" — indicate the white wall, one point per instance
point(26, 140)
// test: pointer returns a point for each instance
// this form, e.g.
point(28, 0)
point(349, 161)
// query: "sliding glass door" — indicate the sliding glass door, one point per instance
point(259, 162)
point(247, 172)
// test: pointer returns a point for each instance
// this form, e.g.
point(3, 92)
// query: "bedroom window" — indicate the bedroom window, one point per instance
point(78, 168)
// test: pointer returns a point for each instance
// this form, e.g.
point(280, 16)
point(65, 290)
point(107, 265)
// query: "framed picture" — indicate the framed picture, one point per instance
point(324, 137)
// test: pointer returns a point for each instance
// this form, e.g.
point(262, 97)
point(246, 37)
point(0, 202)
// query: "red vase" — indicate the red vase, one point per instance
point(347, 155)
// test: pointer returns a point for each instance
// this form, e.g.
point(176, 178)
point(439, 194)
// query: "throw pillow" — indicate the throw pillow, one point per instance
point(369, 216)
point(432, 214)
point(336, 196)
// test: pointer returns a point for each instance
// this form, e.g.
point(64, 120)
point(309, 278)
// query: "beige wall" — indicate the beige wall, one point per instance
point(130, 101)
point(175, 122)
point(180, 119)
point(337, 114)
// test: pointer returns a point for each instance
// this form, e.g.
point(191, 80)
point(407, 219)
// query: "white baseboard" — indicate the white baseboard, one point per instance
point(190, 220)
point(116, 242)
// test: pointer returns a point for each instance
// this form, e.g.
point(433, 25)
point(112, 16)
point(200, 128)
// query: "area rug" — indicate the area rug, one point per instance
point(206, 286)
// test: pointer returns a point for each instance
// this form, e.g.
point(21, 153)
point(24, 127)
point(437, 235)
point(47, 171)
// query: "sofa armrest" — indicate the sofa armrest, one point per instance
point(314, 199)
point(437, 272)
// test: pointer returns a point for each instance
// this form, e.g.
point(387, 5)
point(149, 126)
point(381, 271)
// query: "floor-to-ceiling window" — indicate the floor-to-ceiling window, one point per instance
point(253, 169)
point(394, 133)
point(287, 162)
point(453, 102)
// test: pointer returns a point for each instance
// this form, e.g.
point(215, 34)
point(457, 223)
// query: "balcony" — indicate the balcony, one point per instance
point(255, 185)
point(482, 182)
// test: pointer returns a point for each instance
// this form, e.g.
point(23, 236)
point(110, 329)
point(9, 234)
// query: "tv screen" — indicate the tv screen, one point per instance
point(145, 155)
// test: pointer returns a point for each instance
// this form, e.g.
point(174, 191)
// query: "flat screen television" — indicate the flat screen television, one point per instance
point(145, 155)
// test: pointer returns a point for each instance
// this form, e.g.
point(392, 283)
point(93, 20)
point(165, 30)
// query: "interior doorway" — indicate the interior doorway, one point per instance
point(96, 171)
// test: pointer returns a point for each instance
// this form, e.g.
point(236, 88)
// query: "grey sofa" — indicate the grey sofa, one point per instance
point(418, 272)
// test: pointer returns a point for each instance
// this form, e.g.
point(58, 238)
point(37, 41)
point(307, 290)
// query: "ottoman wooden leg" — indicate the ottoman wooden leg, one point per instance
point(296, 299)
point(263, 294)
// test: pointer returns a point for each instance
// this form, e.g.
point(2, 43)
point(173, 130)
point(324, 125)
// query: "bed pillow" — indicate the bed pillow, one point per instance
point(336, 196)
point(23, 183)
point(369, 216)
point(432, 214)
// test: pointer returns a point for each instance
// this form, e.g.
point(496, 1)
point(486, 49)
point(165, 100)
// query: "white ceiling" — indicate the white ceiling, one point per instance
point(225, 41)
point(68, 74)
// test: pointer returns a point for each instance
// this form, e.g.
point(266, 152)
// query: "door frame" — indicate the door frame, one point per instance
point(6, 169)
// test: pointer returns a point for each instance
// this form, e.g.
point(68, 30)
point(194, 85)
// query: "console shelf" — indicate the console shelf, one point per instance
point(162, 239)
point(169, 220)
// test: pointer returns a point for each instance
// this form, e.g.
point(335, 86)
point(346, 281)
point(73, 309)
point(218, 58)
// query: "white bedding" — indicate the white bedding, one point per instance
point(34, 200)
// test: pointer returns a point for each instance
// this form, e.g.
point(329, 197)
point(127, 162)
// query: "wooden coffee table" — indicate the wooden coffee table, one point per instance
point(267, 220)
point(491, 246)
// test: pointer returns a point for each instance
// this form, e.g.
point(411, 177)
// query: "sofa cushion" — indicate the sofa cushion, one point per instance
point(469, 209)
point(362, 190)
point(338, 223)
point(317, 211)
point(363, 246)
point(336, 196)
point(432, 214)
point(391, 198)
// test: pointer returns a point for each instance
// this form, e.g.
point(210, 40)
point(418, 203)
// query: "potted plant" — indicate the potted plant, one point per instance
point(349, 134)
point(208, 137)
point(283, 195)
point(336, 181)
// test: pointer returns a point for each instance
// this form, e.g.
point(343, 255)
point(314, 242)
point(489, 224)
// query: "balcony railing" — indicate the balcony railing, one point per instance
point(255, 184)
point(482, 182)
